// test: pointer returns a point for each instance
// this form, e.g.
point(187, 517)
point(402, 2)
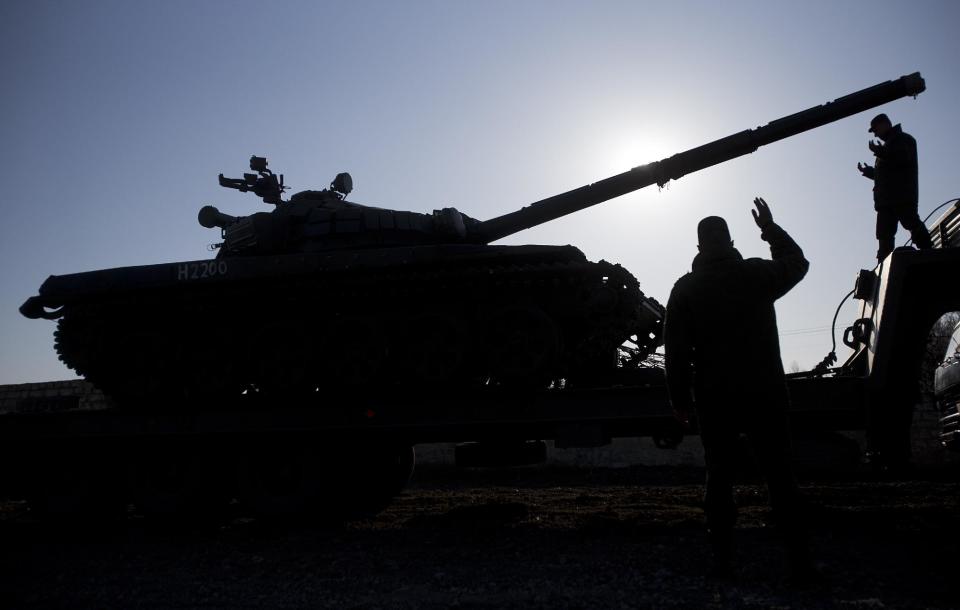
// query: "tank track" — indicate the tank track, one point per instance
point(516, 323)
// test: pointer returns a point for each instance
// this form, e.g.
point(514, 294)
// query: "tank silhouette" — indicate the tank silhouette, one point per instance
point(322, 295)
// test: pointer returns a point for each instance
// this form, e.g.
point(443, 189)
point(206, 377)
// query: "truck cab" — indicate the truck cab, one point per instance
point(900, 301)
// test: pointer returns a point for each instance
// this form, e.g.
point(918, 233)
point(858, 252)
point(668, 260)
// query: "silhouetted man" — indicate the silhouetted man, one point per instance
point(723, 360)
point(895, 190)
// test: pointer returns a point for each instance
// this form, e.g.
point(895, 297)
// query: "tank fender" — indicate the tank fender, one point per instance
point(35, 308)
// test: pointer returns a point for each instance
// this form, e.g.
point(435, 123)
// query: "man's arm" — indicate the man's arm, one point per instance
point(902, 151)
point(788, 265)
point(678, 358)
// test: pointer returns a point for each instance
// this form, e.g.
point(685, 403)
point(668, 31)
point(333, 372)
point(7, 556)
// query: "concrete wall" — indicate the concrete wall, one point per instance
point(50, 396)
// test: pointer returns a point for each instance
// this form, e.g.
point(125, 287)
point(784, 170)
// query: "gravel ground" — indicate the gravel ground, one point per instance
point(528, 538)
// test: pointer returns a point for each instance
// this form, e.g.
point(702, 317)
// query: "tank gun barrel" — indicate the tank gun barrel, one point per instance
point(695, 159)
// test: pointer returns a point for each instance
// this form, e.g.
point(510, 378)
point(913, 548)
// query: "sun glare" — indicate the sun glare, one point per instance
point(623, 151)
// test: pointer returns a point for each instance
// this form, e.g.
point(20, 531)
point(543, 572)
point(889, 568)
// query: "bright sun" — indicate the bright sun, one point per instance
point(624, 150)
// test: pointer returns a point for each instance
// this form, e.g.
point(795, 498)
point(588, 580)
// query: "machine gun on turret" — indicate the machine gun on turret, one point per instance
point(265, 184)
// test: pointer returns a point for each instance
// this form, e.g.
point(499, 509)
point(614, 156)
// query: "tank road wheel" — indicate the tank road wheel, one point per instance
point(522, 346)
point(209, 368)
point(169, 479)
point(432, 350)
point(284, 357)
point(142, 368)
point(356, 352)
point(281, 478)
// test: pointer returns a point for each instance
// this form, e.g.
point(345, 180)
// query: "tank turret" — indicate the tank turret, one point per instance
point(314, 221)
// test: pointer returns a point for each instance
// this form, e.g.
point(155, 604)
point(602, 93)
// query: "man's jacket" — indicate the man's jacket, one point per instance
point(895, 172)
point(720, 331)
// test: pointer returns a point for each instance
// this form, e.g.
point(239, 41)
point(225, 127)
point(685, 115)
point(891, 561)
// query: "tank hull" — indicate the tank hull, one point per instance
point(420, 318)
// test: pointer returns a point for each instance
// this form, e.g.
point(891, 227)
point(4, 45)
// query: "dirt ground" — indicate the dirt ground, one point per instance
point(529, 538)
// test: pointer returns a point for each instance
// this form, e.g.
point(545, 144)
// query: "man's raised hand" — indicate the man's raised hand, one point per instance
point(762, 215)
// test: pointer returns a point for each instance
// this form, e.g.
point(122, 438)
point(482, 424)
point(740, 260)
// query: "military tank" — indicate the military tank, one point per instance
point(325, 293)
point(322, 295)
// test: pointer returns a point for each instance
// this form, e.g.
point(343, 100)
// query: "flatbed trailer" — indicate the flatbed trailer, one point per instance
point(572, 417)
point(162, 460)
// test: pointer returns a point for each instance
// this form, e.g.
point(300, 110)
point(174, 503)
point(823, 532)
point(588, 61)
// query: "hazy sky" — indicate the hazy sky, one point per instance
point(118, 116)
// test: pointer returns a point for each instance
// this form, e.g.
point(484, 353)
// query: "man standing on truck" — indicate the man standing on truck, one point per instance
point(895, 186)
point(723, 361)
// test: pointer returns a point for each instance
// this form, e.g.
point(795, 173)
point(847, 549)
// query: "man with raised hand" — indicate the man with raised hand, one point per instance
point(723, 362)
